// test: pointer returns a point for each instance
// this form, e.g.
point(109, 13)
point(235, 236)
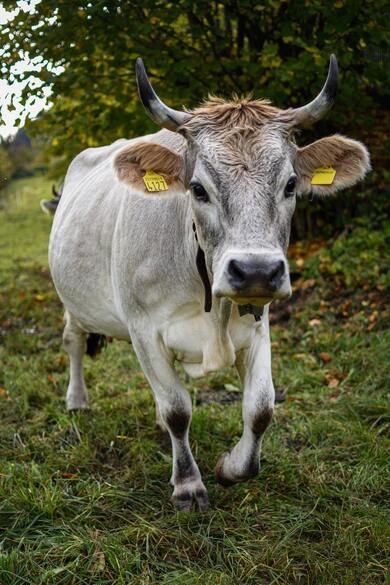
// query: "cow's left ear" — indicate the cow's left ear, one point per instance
point(133, 162)
point(348, 158)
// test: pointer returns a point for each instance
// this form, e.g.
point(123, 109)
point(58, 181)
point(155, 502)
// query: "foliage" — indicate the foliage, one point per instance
point(355, 259)
point(5, 167)
point(19, 157)
point(84, 498)
point(275, 48)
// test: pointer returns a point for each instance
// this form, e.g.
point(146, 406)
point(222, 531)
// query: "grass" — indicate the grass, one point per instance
point(84, 499)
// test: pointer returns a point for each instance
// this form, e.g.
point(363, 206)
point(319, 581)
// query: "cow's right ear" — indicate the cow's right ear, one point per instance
point(346, 162)
point(132, 162)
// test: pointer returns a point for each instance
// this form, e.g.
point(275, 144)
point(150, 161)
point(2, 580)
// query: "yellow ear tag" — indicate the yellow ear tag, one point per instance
point(323, 176)
point(154, 182)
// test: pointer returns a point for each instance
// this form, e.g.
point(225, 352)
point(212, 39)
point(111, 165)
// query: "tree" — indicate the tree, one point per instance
point(5, 167)
point(275, 48)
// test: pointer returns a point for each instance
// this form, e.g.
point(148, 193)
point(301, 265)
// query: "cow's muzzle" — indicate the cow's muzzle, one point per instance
point(253, 278)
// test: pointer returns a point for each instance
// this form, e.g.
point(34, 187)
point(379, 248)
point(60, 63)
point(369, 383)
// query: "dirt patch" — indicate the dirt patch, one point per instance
point(221, 395)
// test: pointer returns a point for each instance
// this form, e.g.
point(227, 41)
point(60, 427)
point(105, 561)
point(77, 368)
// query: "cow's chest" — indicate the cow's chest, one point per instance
point(200, 341)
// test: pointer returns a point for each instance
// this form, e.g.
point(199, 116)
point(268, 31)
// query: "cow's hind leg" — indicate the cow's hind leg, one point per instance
point(175, 409)
point(254, 367)
point(75, 344)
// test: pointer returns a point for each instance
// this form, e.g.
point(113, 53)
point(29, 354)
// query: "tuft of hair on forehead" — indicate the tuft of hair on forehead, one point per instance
point(244, 113)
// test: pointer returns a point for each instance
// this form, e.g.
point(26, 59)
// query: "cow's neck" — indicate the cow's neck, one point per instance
point(219, 349)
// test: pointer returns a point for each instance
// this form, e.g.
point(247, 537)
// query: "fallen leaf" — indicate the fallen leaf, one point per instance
point(299, 262)
point(61, 360)
point(308, 283)
point(314, 322)
point(68, 475)
point(39, 298)
point(99, 561)
point(325, 357)
point(333, 382)
point(3, 392)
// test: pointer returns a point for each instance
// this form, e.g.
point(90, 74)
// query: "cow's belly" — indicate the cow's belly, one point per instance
point(197, 342)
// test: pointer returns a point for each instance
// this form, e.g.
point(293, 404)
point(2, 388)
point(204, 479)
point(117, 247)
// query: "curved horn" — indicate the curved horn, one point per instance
point(155, 108)
point(307, 115)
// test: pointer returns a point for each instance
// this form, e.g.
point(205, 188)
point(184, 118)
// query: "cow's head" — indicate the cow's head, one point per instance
point(244, 171)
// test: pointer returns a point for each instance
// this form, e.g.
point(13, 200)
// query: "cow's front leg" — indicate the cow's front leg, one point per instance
point(254, 367)
point(175, 410)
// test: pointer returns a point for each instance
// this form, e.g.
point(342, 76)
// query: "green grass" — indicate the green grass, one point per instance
point(84, 499)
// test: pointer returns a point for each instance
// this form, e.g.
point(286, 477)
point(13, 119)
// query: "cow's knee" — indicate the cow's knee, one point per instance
point(259, 420)
point(74, 341)
point(177, 421)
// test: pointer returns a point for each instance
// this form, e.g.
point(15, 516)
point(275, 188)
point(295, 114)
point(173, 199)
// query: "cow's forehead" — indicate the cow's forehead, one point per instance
point(241, 155)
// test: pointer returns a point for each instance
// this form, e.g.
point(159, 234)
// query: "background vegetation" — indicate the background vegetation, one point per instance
point(277, 49)
point(84, 499)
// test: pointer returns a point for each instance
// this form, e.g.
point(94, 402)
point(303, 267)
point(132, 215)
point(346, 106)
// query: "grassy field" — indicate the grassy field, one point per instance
point(84, 499)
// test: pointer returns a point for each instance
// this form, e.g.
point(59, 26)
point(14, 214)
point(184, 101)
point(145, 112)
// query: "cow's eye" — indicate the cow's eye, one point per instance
point(290, 187)
point(199, 192)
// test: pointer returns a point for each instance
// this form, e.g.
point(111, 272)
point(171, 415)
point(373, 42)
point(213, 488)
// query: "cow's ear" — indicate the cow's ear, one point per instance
point(348, 158)
point(134, 161)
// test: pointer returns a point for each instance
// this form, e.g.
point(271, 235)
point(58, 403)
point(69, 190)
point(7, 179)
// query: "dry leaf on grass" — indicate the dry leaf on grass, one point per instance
point(333, 382)
point(325, 357)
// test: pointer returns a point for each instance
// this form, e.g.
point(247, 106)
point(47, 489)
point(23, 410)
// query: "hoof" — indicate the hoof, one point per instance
point(227, 479)
point(190, 497)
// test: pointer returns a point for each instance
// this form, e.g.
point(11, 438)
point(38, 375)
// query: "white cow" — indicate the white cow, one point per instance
point(182, 271)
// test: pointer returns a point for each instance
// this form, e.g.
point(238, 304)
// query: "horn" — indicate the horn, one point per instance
point(155, 108)
point(315, 110)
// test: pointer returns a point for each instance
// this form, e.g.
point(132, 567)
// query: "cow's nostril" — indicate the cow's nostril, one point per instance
point(236, 272)
point(277, 271)
point(256, 274)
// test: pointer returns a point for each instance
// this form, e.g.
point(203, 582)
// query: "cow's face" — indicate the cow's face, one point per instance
point(243, 189)
point(243, 172)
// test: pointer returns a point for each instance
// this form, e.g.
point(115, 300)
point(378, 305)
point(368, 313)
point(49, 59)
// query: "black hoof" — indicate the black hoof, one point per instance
point(185, 501)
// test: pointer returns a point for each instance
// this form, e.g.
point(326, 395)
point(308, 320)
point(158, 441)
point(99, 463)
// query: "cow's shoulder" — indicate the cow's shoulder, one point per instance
point(92, 157)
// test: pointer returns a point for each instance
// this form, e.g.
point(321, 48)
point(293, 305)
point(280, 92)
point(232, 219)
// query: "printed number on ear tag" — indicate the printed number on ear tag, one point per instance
point(323, 176)
point(154, 182)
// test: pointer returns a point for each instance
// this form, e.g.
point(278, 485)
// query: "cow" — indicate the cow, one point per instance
point(177, 242)
point(49, 206)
